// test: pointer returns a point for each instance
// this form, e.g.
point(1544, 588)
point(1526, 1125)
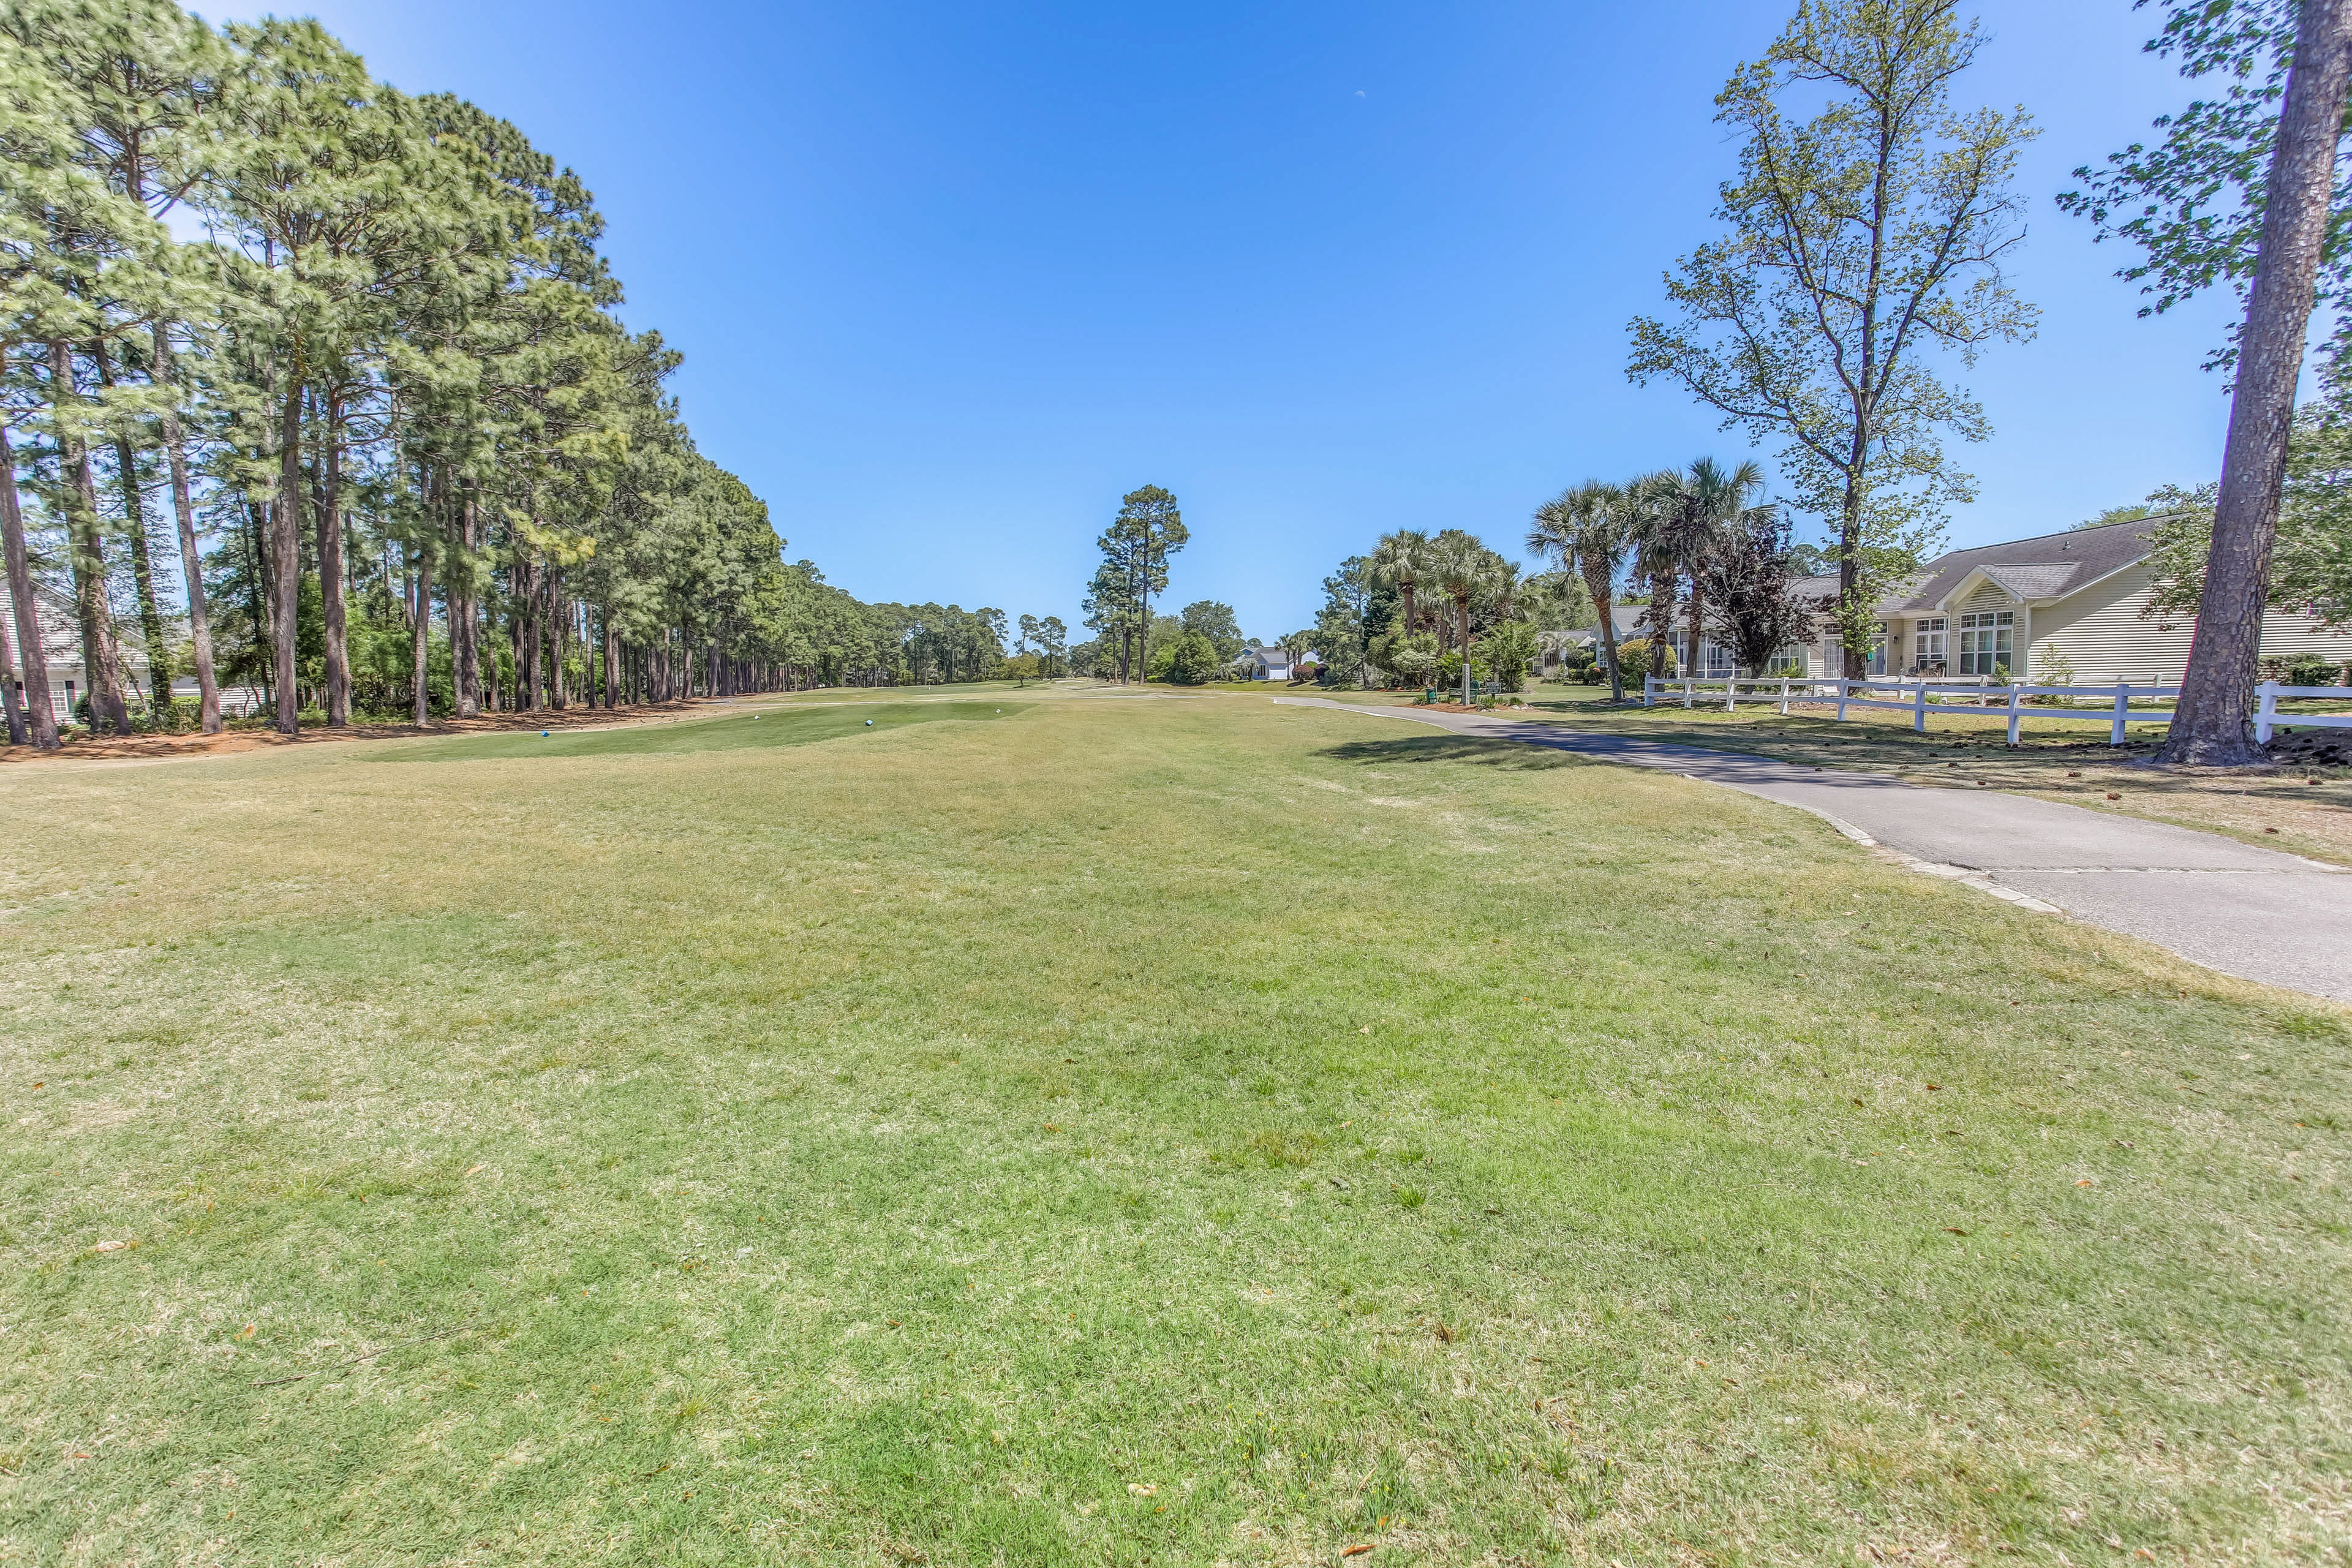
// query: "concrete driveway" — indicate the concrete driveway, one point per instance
point(2257, 913)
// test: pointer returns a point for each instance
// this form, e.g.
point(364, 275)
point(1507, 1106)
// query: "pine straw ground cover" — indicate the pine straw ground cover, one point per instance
point(1109, 1131)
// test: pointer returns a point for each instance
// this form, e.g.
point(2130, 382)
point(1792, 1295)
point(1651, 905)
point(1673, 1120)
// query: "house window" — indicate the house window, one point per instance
point(1788, 661)
point(1833, 653)
point(1927, 644)
point(1986, 641)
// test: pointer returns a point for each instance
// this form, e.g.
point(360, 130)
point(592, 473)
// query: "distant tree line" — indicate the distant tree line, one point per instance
point(372, 437)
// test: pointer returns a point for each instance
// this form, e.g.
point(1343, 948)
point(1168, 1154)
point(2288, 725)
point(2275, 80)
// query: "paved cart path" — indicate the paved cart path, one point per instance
point(2259, 913)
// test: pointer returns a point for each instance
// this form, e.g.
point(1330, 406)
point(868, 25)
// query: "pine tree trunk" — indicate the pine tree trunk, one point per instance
point(465, 621)
point(533, 692)
point(40, 716)
point(488, 671)
point(142, 575)
point(143, 584)
point(2213, 722)
point(421, 641)
point(286, 551)
point(558, 628)
point(19, 734)
point(257, 527)
point(192, 568)
point(331, 566)
point(101, 660)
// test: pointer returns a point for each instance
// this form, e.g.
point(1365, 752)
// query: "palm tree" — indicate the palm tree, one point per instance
point(1687, 517)
point(1401, 560)
point(1586, 529)
point(1461, 568)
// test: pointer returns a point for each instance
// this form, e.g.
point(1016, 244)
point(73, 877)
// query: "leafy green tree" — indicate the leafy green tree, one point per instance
point(1345, 626)
point(339, 208)
point(1192, 659)
point(1861, 242)
point(2248, 187)
point(2311, 565)
point(1215, 621)
point(134, 75)
point(1136, 547)
point(1509, 648)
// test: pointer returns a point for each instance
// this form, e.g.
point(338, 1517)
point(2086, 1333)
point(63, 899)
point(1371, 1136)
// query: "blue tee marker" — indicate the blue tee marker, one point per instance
point(869, 723)
point(542, 734)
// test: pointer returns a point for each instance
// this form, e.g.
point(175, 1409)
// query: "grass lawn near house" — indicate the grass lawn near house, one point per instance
point(2061, 755)
point(1191, 1131)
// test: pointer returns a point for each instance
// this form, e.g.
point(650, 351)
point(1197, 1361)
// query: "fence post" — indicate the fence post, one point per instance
point(2267, 713)
point(1690, 690)
point(1919, 707)
point(1784, 697)
point(1731, 691)
point(2122, 706)
point(2014, 695)
point(1843, 685)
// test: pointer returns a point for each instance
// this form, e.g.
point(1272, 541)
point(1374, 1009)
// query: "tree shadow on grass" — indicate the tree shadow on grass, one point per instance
point(1490, 753)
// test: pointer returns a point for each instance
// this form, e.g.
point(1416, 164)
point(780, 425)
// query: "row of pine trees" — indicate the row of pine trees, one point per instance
point(323, 387)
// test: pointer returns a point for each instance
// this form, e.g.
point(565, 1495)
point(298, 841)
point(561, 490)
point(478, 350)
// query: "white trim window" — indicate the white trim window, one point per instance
point(1833, 653)
point(1927, 644)
point(1988, 642)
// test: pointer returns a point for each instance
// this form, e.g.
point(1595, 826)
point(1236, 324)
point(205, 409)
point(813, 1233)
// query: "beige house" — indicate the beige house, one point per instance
point(2062, 607)
point(61, 657)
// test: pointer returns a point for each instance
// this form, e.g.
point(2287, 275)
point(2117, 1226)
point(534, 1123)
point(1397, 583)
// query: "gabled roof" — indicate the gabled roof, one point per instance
point(2050, 566)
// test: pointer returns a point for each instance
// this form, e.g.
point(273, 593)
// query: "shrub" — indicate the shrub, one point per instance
point(1509, 648)
point(1192, 660)
point(1634, 659)
point(2311, 669)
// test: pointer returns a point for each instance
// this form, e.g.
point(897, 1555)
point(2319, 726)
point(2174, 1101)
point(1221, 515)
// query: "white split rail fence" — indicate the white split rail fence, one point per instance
point(1917, 697)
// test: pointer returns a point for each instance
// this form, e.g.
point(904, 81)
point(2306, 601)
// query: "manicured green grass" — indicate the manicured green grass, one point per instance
point(1183, 1131)
point(713, 730)
point(2062, 755)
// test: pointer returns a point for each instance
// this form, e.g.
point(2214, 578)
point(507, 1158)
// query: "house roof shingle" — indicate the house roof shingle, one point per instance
point(2047, 567)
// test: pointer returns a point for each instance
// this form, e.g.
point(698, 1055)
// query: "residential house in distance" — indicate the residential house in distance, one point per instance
point(69, 683)
point(2060, 607)
point(1265, 663)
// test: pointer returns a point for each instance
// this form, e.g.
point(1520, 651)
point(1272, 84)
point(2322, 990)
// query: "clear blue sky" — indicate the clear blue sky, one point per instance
point(950, 277)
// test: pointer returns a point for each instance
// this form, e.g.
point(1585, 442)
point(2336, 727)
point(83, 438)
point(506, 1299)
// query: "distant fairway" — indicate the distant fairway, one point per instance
point(752, 728)
point(1190, 1132)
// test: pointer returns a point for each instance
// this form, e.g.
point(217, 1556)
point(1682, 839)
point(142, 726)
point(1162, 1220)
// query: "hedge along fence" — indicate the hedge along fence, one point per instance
point(2010, 700)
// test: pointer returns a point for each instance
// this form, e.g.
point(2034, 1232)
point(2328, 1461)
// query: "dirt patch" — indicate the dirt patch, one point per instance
point(153, 748)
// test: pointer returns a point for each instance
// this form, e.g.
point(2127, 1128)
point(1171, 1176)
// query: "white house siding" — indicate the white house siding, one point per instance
point(60, 650)
point(2106, 639)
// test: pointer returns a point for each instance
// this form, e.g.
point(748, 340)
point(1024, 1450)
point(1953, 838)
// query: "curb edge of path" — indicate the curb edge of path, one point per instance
point(1962, 875)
